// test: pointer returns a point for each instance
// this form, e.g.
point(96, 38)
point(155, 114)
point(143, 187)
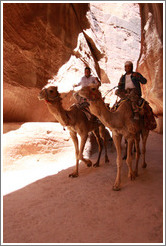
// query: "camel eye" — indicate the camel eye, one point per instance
point(93, 89)
point(51, 91)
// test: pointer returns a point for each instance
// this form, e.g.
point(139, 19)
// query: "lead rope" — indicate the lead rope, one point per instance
point(110, 90)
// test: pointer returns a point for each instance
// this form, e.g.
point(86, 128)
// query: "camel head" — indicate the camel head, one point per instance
point(91, 92)
point(50, 94)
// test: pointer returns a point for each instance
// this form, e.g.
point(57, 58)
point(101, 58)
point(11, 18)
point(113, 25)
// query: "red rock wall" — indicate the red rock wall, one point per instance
point(150, 63)
point(40, 38)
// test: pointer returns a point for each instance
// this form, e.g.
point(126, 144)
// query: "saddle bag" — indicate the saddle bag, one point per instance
point(149, 119)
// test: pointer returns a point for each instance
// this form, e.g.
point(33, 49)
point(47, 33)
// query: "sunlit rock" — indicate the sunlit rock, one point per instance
point(45, 42)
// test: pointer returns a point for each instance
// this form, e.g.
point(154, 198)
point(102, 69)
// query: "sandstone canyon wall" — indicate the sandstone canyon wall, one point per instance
point(46, 41)
point(38, 39)
point(150, 62)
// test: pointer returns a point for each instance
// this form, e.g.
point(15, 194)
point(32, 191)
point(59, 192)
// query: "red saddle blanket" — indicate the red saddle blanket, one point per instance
point(149, 119)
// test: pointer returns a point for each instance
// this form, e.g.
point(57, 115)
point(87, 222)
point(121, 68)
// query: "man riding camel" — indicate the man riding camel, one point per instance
point(129, 85)
point(86, 80)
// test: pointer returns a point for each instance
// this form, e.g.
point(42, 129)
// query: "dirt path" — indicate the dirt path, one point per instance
point(50, 207)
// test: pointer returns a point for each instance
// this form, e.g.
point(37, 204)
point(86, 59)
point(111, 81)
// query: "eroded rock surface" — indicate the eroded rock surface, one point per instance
point(38, 39)
point(47, 41)
point(151, 57)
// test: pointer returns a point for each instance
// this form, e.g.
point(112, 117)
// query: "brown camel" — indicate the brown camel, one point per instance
point(77, 123)
point(121, 123)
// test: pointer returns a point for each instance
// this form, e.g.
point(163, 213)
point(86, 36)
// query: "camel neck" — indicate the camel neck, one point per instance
point(59, 113)
point(99, 109)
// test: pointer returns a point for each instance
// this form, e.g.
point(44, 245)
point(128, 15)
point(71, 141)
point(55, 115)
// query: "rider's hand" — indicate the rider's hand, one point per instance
point(98, 81)
point(136, 75)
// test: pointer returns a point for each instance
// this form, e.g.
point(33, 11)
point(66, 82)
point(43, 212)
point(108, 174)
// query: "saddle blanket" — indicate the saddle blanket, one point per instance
point(149, 117)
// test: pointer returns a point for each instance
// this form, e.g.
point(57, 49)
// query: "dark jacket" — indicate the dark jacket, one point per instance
point(136, 81)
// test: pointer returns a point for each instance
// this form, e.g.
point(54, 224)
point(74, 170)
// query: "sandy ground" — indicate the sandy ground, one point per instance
point(41, 204)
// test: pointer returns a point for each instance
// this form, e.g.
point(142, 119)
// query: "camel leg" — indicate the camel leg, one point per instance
point(137, 154)
point(144, 139)
point(129, 158)
point(75, 141)
point(103, 136)
point(125, 154)
point(82, 145)
point(117, 141)
point(98, 139)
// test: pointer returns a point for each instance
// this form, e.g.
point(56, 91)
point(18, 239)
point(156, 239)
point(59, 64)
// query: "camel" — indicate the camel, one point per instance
point(77, 123)
point(122, 124)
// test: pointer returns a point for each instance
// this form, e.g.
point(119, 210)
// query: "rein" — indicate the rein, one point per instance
point(110, 90)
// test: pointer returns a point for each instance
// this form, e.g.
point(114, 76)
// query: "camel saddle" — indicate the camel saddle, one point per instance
point(117, 104)
point(84, 107)
point(148, 116)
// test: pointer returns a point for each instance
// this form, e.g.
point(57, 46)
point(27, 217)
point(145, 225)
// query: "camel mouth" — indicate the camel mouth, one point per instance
point(40, 98)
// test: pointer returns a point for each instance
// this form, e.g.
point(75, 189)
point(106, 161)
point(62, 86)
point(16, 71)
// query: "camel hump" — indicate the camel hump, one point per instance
point(117, 104)
point(84, 108)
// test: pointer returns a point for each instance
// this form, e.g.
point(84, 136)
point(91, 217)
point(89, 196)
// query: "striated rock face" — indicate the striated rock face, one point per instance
point(117, 30)
point(150, 63)
point(48, 41)
point(38, 39)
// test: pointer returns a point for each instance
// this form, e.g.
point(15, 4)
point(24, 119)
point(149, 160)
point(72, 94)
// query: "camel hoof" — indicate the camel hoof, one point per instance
point(89, 163)
point(144, 165)
point(116, 188)
point(136, 173)
point(73, 175)
point(106, 160)
point(131, 176)
point(96, 165)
